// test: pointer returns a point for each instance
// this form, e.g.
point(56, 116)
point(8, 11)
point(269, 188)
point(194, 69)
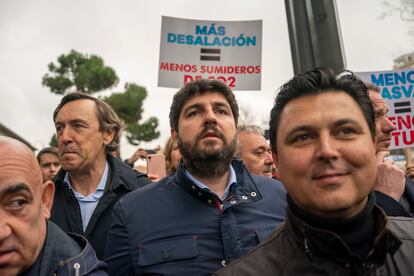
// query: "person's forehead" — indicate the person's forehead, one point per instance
point(47, 156)
point(252, 139)
point(310, 109)
point(376, 99)
point(78, 109)
point(206, 98)
point(19, 170)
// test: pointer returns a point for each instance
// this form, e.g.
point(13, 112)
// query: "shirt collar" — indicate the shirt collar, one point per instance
point(231, 181)
point(102, 181)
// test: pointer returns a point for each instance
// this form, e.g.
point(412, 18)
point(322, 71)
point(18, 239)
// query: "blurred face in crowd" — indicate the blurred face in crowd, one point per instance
point(49, 165)
point(80, 141)
point(175, 156)
point(207, 132)
point(384, 127)
point(25, 204)
point(256, 153)
point(326, 154)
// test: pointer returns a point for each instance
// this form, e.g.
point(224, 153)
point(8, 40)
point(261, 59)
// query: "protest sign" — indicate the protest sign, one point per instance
point(230, 51)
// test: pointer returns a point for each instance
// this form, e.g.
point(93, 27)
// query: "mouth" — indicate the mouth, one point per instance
point(210, 135)
point(69, 152)
point(328, 176)
point(5, 256)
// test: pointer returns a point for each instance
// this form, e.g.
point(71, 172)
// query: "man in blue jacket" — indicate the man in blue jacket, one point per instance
point(29, 244)
point(207, 214)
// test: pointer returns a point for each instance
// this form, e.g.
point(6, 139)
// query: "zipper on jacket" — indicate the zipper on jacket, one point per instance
point(76, 266)
point(306, 243)
point(218, 205)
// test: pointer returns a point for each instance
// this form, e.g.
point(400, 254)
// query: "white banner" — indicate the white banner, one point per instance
point(397, 88)
point(230, 51)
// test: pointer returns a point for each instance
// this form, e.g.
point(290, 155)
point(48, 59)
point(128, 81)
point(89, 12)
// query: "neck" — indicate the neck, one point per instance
point(85, 182)
point(358, 232)
point(217, 184)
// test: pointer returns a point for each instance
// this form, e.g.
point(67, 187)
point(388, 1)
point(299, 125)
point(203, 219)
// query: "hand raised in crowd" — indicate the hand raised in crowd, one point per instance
point(390, 179)
point(409, 171)
point(139, 153)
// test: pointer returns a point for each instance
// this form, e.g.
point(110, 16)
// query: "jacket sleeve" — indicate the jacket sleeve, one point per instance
point(390, 206)
point(118, 255)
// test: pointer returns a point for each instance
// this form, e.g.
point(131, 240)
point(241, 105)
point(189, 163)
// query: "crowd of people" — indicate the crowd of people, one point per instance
point(321, 198)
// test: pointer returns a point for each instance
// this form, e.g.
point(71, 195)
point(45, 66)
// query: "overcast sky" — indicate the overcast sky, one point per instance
point(126, 34)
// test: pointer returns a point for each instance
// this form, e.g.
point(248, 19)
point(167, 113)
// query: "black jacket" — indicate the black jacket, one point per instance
point(296, 248)
point(62, 255)
point(66, 211)
point(175, 228)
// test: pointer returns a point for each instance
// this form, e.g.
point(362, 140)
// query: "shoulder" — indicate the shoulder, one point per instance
point(402, 227)
point(265, 259)
point(268, 184)
point(146, 194)
point(125, 175)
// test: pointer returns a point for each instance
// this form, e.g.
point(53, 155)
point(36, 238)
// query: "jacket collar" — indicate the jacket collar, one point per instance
point(322, 243)
point(60, 253)
point(244, 191)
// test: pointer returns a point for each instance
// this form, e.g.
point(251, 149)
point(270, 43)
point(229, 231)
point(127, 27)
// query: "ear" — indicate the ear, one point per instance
point(174, 135)
point(108, 136)
point(47, 197)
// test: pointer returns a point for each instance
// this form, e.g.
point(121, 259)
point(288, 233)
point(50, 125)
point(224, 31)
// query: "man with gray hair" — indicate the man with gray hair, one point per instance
point(91, 181)
point(254, 150)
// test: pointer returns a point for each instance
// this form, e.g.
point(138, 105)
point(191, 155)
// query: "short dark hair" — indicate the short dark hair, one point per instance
point(318, 81)
point(51, 150)
point(108, 119)
point(199, 87)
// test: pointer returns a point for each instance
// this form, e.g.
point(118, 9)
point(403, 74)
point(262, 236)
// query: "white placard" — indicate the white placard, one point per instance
point(230, 51)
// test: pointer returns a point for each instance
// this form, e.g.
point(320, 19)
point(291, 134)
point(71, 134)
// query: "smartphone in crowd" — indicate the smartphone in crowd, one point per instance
point(156, 165)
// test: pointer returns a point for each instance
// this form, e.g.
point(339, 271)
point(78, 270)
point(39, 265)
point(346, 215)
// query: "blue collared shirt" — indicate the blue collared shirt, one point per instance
point(232, 180)
point(88, 203)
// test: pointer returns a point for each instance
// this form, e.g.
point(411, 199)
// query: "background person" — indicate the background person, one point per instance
point(172, 155)
point(394, 194)
point(49, 162)
point(254, 150)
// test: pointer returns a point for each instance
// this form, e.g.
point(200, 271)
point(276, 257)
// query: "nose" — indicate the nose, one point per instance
point(53, 168)
point(5, 230)
point(65, 136)
point(388, 126)
point(268, 158)
point(327, 149)
point(210, 116)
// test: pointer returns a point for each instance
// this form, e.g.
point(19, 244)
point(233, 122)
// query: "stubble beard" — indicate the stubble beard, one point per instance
point(210, 161)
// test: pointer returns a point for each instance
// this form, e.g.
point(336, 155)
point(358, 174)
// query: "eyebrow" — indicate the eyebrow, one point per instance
point(200, 105)
point(15, 188)
point(72, 121)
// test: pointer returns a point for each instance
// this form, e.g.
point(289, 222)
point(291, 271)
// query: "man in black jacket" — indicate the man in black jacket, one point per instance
point(29, 244)
point(322, 134)
point(91, 181)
